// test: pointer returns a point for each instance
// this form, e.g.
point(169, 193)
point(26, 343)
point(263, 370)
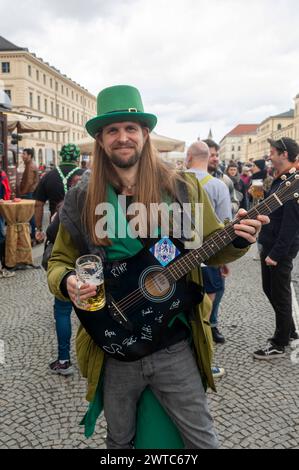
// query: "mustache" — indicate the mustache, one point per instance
point(123, 146)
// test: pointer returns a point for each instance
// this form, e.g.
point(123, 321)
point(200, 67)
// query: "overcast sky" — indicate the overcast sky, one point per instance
point(199, 64)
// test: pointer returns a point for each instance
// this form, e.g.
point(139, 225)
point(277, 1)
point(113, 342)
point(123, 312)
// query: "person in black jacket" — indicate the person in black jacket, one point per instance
point(280, 245)
point(62, 309)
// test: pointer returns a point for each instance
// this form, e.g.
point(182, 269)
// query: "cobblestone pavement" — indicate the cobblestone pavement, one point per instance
point(257, 401)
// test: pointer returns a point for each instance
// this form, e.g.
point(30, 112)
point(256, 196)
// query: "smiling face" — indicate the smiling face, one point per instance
point(123, 142)
point(278, 158)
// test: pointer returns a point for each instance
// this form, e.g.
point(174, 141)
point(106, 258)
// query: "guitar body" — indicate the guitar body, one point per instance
point(140, 303)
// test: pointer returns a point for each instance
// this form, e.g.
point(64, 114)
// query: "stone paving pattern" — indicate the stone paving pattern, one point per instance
point(257, 401)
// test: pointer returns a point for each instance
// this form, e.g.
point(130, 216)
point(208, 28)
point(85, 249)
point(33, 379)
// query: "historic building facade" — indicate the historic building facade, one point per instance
point(40, 90)
point(236, 144)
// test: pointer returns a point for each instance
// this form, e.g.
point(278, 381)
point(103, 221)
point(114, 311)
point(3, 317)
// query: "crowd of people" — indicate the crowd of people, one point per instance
point(138, 396)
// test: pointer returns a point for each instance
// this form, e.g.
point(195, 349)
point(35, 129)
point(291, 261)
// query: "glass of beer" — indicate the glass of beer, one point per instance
point(89, 270)
point(257, 190)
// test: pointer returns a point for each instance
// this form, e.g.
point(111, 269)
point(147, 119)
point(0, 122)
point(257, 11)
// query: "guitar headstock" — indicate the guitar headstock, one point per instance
point(289, 188)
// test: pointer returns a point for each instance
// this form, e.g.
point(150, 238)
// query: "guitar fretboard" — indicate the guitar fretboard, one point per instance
point(217, 241)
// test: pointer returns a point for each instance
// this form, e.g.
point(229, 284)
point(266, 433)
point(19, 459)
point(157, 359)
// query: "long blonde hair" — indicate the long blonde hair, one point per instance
point(154, 179)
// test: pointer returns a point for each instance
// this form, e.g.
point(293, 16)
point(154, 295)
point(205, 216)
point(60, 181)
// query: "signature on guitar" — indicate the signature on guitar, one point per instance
point(147, 311)
point(114, 349)
point(147, 333)
point(175, 304)
point(109, 333)
point(159, 318)
point(129, 341)
point(118, 270)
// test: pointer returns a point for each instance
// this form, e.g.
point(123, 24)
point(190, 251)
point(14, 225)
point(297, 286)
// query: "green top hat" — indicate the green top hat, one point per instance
point(116, 104)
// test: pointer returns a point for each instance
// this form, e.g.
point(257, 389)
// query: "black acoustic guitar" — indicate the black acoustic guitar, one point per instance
point(142, 296)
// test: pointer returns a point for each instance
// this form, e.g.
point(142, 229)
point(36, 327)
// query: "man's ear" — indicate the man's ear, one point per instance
point(99, 139)
point(145, 132)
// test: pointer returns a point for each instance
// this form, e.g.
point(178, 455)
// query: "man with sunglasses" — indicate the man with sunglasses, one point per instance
point(280, 245)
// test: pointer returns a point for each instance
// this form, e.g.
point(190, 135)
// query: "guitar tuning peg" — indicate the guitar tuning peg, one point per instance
point(284, 177)
point(288, 183)
point(296, 195)
point(297, 177)
point(292, 170)
point(297, 201)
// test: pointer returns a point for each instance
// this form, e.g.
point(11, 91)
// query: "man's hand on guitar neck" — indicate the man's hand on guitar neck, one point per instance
point(250, 228)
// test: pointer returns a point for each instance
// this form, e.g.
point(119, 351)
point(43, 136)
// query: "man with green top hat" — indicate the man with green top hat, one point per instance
point(157, 401)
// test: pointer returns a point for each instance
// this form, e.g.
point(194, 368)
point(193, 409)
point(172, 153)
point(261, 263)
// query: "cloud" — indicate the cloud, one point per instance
point(198, 63)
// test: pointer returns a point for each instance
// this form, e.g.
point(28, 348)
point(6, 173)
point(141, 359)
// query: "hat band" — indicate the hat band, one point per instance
point(128, 110)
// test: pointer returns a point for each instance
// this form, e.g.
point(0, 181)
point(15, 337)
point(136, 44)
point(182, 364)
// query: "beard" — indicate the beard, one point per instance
point(121, 163)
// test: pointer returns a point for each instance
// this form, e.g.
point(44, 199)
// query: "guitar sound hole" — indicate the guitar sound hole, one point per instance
point(156, 284)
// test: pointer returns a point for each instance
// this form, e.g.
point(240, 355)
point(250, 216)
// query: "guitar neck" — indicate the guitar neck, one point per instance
point(218, 240)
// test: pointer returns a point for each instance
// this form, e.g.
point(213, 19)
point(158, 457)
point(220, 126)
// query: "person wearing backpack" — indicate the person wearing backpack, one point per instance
point(54, 185)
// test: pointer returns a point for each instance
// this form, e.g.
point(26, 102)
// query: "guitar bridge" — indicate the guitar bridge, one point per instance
point(117, 315)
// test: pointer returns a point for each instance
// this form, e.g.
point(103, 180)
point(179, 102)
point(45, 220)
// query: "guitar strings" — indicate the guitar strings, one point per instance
point(136, 296)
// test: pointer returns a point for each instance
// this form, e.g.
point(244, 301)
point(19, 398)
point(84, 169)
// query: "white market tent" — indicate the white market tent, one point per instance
point(162, 144)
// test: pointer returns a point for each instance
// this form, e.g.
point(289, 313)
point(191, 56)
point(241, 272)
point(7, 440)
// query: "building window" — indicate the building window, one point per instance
point(37, 75)
point(233, 148)
point(68, 114)
point(57, 110)
point(233, 156)
point(250, 141)
point(239, 149)
point(38, 103)
point(44, 78)
point(67, 92)
point(62, 112)
point(46, 106)
point(56, 86)
point(74, 136)
point(73, 115)
point(72, 95)
point(8, 92)
point(62, 89)
point(278, 127)
point(29, 70)
point(30, 99)
point(5, 67)
point(51, 83)
point(52, 108)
